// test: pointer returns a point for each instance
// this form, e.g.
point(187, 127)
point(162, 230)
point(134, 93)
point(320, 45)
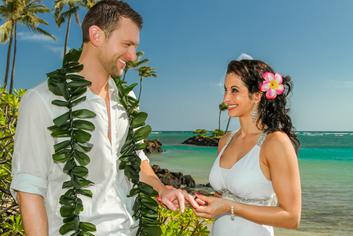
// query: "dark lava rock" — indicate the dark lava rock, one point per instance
point(188, 181)
point(202, 141)
point(176, 179)
point(153, 146)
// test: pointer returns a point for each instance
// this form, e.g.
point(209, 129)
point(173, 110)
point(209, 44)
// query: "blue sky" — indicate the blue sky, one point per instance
point(190, 42)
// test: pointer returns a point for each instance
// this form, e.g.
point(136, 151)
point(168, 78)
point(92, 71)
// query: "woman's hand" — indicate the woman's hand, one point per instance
point(213, 207)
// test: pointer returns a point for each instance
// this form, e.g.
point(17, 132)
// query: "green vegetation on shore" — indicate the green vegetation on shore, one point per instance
point(10, 223)
point(204, 137)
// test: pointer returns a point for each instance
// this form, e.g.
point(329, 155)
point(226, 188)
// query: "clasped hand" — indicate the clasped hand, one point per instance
point(211, 207)
point(176, 198)
point(207, 207)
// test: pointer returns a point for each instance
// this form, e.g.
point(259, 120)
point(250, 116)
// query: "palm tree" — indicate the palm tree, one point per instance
point(227, 127)
point(145, 72)
point(29, 18)
point(200, 132)
point(71, 9)
point(222, 107)
point(135, 64)
point(19, 12)
point(9, 13)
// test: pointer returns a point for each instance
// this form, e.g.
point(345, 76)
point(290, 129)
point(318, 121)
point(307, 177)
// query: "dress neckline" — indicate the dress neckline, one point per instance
point(258, 144)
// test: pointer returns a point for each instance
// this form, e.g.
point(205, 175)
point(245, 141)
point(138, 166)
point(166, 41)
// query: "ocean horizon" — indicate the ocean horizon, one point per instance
point(326, 170)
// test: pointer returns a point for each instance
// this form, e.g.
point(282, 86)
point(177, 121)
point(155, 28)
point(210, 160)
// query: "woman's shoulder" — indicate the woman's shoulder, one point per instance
point(276, 137)
point(276, 144)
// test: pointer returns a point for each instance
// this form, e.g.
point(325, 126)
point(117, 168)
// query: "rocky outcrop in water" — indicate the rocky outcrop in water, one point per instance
point(153, 146)
point(176, 179)
point(202, 141)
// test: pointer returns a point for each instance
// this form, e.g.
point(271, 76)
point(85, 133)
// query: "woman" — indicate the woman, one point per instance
point(256, 170)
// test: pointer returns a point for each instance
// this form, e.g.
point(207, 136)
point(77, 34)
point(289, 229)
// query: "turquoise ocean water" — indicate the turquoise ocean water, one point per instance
point(326, 169)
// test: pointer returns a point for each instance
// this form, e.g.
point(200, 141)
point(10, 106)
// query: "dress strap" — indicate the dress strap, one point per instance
point(227, 143)
point(261, 138)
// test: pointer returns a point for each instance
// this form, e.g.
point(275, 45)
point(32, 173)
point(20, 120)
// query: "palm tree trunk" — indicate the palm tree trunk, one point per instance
point(140, 89)
point(8, 60)
point(13, 60)
point(227, 124)
point(125, 72)
point(67, 34)
point(219, 119)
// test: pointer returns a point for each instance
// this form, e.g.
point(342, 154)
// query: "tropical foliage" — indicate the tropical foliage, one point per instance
point(185, 224)
point(217, 133)
point(140, 66)
point(10, 220)
point(134, 65)
point(200, 132)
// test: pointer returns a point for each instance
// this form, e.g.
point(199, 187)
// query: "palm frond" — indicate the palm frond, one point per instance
point(44, 32)
point(5, 31)
point(71, 11)
point(37, 8)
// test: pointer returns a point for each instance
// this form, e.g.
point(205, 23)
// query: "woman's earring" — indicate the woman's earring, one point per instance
point(254, 113)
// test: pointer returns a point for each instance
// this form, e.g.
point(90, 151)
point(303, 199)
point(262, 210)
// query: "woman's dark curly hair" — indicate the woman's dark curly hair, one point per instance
point(273, 114)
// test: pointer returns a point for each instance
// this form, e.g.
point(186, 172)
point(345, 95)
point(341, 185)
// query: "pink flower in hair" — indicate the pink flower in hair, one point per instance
point(272, 85)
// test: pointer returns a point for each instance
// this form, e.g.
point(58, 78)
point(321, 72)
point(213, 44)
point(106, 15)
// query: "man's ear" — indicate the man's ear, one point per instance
point(96, 35)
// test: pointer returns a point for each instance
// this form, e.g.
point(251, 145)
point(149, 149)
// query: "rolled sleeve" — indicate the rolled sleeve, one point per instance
point(29, 184)
point(142, 156)
point(33, 146)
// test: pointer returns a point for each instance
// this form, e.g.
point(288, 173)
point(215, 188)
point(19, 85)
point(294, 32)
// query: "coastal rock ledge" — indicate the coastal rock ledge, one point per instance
point(176, 179)
point(202, 141)
point(153, 146)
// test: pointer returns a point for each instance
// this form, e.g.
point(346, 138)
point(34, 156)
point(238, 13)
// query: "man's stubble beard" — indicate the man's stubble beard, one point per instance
point(114, 71)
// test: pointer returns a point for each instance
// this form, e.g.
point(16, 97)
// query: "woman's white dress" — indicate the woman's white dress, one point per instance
point(243, 182)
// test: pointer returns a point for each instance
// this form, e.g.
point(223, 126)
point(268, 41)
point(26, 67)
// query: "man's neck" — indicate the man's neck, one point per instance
point(94, 72)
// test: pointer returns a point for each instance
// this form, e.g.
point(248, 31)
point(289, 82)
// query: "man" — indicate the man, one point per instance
point(110, 38)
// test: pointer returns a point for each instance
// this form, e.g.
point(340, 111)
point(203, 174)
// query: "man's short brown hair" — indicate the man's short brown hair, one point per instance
point(106, 14)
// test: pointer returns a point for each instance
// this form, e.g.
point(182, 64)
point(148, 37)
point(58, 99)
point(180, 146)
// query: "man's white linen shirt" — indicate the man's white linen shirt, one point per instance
point(34, 170)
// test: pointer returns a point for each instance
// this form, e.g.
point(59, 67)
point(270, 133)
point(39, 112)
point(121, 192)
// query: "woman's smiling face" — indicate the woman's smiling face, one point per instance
point(236, 96)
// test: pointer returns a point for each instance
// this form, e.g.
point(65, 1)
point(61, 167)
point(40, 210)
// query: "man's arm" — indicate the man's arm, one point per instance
point(167, 195)
point(33, 147)
point(34, 216)
point(148, 176)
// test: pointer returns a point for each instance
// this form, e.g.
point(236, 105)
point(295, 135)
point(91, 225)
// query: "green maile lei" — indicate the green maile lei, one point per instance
point(75, 127)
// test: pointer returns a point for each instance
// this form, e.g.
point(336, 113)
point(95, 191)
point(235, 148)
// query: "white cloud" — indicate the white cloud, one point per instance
point(219, 85)
point(56, 49)
point(341, 84)
point(347, 84)
point(30, 36)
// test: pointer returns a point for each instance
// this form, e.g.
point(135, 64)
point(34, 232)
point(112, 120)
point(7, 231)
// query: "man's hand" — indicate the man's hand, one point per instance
point(176, 198)
point(168, 195)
